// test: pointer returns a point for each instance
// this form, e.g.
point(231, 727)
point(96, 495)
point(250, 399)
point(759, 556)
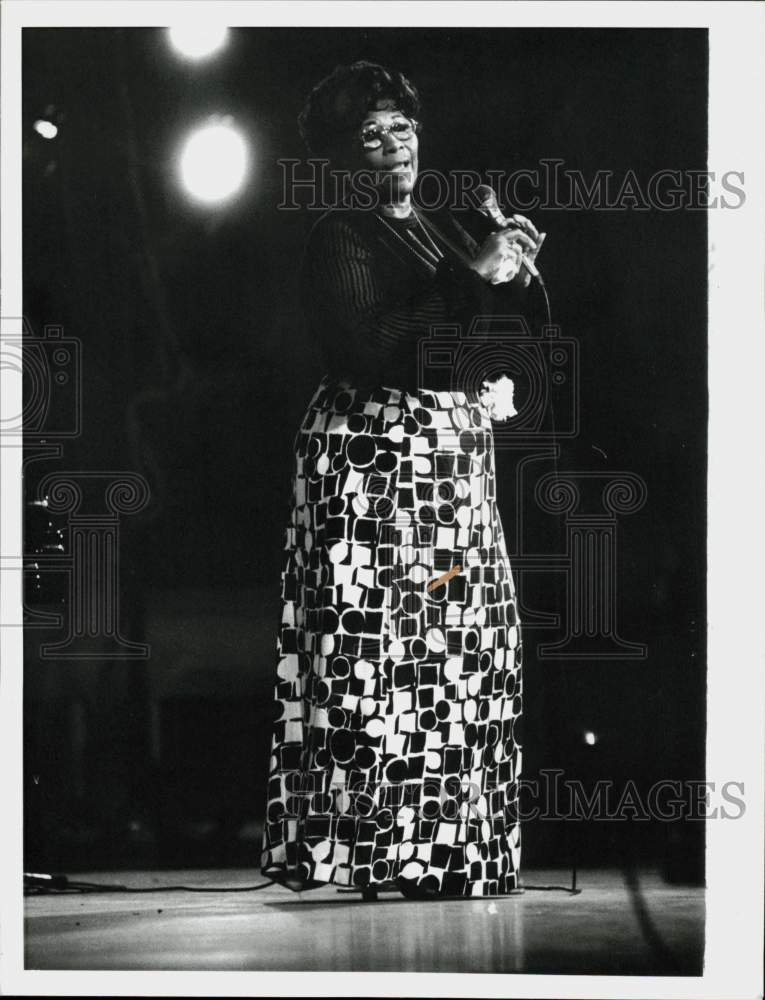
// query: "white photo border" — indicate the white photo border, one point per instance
point(736, 648)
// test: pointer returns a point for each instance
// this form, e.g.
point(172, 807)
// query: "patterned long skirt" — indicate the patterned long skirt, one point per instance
point(396, 737)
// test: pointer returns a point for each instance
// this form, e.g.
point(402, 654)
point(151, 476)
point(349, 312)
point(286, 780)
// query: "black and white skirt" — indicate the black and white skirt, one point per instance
point(396, 740)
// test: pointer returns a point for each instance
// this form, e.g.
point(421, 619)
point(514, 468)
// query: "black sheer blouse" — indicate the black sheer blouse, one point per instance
point(372, 300)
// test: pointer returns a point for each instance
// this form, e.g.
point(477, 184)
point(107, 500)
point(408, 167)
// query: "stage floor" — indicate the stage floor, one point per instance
point(620, 924)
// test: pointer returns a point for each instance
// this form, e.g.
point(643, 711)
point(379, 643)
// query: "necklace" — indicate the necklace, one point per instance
point(433, 245)
point(427, 255)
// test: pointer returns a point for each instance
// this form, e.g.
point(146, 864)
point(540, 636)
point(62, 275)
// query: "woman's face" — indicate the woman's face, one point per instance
point(395, 159)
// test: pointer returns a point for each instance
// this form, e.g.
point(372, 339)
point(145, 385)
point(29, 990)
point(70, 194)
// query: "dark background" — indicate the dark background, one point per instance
point(197, 367)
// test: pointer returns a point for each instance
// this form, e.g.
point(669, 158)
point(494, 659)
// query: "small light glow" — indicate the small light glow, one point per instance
point(590, 739)
point(46, 129)
point(214, 163)
point(197, 40)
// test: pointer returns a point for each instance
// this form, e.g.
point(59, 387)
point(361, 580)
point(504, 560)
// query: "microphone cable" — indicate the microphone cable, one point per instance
point(563, 681)
point(37, 884)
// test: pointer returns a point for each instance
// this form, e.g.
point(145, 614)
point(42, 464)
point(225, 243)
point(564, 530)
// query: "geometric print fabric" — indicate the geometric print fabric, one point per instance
point(396, 744)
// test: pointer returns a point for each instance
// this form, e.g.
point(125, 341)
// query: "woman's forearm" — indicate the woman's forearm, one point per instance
point(377, 328)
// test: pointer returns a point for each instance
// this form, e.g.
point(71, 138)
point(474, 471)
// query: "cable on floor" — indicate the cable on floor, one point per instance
point(46, 884)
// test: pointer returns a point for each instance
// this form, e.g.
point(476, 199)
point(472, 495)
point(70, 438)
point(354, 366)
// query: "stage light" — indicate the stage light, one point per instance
point(46, 129)
point(213, 163)
point(590, 739)
point(197, 40)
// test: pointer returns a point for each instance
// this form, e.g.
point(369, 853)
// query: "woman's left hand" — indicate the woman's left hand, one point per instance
point(530, 253)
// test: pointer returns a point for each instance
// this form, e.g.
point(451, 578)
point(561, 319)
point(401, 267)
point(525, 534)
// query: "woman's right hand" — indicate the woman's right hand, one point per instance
point(502, 249)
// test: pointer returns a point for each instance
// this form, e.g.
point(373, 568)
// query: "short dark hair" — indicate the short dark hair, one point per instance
point(338, 103)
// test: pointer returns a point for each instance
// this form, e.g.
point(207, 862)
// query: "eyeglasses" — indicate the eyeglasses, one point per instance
point(371, 136)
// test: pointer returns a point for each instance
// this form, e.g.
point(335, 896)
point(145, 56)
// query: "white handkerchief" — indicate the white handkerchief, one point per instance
point(497, 397)
point(502, 274)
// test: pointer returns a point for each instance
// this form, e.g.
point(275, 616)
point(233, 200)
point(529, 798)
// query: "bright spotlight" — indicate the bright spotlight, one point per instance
point(590, 739)
point(214, 162)
point(197, 40)
point(46, 129)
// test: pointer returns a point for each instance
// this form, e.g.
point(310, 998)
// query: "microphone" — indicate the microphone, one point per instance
point(488, 206)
